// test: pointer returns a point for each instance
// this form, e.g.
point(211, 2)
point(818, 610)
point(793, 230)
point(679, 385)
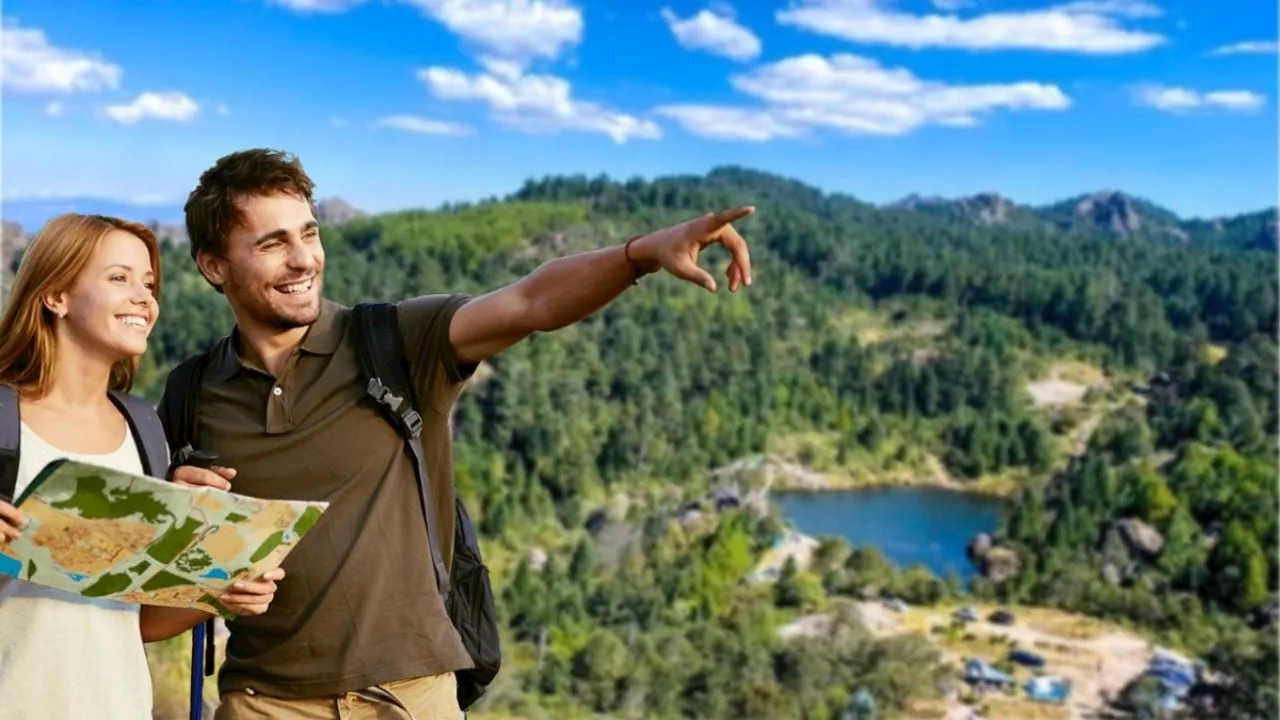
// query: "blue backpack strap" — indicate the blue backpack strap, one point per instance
point(10, 438)
point(150, 432)
point(178, 414)
point(147, 432)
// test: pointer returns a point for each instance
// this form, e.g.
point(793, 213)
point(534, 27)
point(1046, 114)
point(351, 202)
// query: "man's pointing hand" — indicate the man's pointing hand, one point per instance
point(676, 248)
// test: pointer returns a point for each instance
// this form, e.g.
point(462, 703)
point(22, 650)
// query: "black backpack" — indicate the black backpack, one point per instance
point(467, 593)
point(143, 421)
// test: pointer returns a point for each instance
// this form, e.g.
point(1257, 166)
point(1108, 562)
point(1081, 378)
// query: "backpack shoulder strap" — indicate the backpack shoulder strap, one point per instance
point(178, 414)
point(10, 439)
point(179, 405)
point(147, 431)
point(380, 351)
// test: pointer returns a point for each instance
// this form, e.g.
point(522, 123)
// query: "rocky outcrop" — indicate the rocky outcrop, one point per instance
point(1000, 564)
point(770, 471)
point(336, 211)
point(1112, 211)
point(1141, 539)
point(994, 562)
point(1111, 575)
point(979, 546)
point(537, 559)
point(986, 208)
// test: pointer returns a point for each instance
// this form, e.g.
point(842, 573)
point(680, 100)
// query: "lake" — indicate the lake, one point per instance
point(910, 525)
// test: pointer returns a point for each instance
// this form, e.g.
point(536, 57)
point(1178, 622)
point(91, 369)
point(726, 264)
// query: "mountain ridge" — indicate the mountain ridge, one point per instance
point(1110, 211)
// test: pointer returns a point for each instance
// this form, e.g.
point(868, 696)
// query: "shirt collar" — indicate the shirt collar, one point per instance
point(322, 338)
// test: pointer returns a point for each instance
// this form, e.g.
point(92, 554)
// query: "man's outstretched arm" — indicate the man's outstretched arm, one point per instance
point(565, 290)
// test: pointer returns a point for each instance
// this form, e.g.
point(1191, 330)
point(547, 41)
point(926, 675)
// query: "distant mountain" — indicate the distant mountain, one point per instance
point(1110, 212)
point(32, 214)
point(23, 218)
point(984, 208)
point(336, 211)
point(1256, 231)
point(1115, 213)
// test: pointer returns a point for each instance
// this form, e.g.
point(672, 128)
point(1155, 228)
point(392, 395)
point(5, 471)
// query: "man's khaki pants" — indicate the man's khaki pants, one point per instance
point(425, 698)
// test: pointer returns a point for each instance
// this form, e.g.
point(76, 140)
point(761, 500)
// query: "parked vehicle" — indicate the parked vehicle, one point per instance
point(1001, 617)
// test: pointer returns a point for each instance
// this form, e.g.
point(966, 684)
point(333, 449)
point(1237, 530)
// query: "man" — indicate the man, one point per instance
point(359, 620)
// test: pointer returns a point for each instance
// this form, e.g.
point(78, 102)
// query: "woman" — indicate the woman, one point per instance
point(82, 306)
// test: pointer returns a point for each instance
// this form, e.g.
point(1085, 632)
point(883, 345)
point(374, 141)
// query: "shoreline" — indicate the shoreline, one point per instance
point(994, 488)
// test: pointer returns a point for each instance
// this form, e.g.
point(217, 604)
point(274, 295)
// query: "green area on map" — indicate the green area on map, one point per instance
point(101, 533)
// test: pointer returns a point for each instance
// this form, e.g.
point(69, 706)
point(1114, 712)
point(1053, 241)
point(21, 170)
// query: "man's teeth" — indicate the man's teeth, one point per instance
point(296, 288)
point(134, 320)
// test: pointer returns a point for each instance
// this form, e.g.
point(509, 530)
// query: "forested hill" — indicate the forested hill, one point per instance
point(1107, 213)
point(874, 342)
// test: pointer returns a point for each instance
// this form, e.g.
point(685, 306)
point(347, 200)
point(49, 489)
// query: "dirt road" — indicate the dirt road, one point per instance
point(1097, 659)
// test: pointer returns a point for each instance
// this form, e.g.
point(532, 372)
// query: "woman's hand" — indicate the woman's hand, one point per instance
point(252, 597)
point(11, 522)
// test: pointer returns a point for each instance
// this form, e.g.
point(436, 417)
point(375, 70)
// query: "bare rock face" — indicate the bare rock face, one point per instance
point(1000, 564)
point(537, 559)
point(986, 208)
point(979, 546)
point(996, 563)
point(1141, 538)
point(336, 211)
point(1111, 211)
point(1111, 575)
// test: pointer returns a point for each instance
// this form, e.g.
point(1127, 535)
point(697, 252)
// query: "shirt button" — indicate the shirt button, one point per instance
point(277, 391)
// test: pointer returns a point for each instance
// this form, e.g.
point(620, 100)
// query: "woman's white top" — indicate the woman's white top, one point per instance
point(62, 655)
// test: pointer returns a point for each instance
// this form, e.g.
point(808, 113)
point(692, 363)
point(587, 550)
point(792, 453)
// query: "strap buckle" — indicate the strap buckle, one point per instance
point(409, 418)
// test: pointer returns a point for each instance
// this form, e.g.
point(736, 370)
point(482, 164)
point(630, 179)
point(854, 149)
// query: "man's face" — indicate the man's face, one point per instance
point(272, 265)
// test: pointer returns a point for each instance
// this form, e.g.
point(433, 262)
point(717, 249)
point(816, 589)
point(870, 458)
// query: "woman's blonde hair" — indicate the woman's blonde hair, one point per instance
point(52, 262)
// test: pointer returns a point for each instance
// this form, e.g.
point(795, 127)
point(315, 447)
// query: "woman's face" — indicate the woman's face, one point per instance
point(109, 311)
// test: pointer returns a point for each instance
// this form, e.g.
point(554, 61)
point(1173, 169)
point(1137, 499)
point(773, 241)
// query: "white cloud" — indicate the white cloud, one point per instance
point(1235, 99)
point(338, 122)
point(1122, 8)
point(1249, 47)
point(532, 102)
point(423, 126)
point(731, 123)
point(1180, 100)
point(717, 34)
point(56, 108)
point(854, 95)
point(172, 106)
point(222, 109)
point(1089, 27)
point(516, 29)
point(29, 64)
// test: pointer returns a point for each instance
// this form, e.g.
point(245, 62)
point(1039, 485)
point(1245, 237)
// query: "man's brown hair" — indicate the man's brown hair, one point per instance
point(211, 208)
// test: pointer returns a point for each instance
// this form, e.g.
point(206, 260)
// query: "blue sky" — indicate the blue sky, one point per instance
point(397, 103)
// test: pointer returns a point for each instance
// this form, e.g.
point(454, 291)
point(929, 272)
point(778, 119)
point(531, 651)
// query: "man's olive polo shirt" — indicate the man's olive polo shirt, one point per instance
point(359, 604)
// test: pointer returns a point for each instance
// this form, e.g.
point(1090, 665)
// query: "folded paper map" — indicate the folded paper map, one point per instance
point(106, 534)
